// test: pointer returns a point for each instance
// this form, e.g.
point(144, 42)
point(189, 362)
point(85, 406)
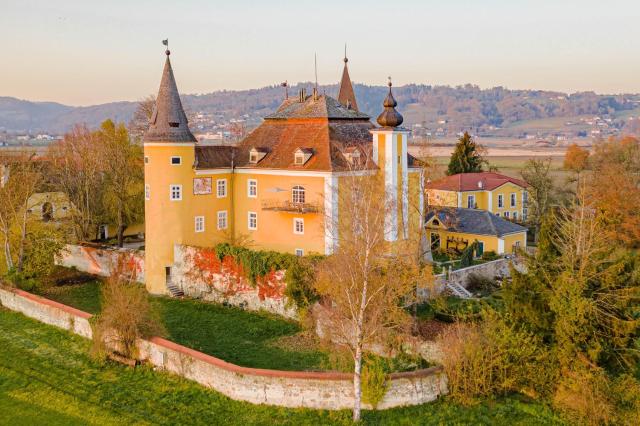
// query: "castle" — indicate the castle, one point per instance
point(279, 186)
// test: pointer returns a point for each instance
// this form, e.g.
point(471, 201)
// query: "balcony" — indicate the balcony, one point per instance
point(288, 206)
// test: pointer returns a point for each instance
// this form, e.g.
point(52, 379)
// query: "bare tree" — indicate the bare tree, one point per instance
point(365, 280)
point(78, 170)
point(20, 179)
point(124, 177)
point(141, 117)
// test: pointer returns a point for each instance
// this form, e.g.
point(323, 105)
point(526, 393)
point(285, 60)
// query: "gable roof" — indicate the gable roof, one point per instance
point(474, 182)
point(474, 221)
point(168, 122)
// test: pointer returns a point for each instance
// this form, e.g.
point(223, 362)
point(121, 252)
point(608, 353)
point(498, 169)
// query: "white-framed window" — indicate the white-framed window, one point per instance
point(515, 215)
point(147, 192)
point(506, 214)
point(513, 199)
point(298, 159)
point(298, 226)
point(175, 192)
point(471, 201)
point(498, 214)
point(297, 194)
point(146, 159)
point(199, 223)
point(176, 161)
point(299, 252)
point(221, 188)
point(222, 219)
point(252, 188)
point(252, 221)
point(500, 201)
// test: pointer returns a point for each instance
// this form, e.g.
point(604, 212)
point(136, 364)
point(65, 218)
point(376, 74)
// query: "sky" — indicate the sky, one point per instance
point(84, 52)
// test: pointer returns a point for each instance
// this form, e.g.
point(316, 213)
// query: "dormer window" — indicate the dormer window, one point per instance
point(301, 156)
point(255, 155)
point(352, 155)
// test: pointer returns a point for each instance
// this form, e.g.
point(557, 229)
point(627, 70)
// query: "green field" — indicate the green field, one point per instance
point(241, 337)
point(47, 378)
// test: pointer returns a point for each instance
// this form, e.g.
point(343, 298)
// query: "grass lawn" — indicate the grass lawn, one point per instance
point(242, 337)
point(47, 377)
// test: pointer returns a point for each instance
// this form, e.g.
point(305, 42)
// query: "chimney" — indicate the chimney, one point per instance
point(480, 184)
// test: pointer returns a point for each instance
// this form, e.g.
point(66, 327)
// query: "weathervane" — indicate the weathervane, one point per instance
point(166, 43)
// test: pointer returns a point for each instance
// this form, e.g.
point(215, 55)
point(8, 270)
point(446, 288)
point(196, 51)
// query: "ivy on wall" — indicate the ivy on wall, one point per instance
point(257, 264)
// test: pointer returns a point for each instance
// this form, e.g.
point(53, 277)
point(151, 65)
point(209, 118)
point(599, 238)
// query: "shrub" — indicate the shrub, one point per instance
point(126, 316)
point(466, 259)
point(374, 381)
point(482, 284)
point(300, 278)
point(493, 358)
point(21, 280)
point(490, 255)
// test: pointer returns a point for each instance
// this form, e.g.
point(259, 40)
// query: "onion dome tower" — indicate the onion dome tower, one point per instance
point(390, 151)
point(390, 117)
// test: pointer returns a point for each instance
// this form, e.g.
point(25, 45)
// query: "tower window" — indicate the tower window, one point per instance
point(175, 192)
point(176, 161)
point(173, 124)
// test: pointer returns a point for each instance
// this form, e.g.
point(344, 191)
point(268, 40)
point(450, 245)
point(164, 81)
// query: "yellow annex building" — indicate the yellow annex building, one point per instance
point(276, 188)
point(482, 207)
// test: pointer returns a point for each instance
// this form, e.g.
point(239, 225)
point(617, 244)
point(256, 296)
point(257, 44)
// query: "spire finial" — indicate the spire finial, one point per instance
point(345, 54)
point(166, 43)
point(390, 117)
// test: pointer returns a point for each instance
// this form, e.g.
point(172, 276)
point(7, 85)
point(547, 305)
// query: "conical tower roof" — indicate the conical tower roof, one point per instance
point(346, 95)
point(168, 122)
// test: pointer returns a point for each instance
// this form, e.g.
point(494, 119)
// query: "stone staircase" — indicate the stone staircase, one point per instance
point(174, 290)
point(458, 290)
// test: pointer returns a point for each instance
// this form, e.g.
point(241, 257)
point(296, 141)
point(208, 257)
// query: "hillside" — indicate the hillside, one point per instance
point(433, 110)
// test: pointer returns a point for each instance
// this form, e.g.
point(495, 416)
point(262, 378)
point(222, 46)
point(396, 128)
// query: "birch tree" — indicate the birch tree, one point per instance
point(364, 282)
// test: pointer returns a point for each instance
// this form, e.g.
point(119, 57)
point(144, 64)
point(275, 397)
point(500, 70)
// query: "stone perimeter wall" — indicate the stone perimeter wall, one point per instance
point(100, 261)
point(321, 390)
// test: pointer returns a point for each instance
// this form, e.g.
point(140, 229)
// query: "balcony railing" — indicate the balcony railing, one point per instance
point(288, 206)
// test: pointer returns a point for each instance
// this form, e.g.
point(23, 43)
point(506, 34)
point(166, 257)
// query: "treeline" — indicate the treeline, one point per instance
point(566, 331)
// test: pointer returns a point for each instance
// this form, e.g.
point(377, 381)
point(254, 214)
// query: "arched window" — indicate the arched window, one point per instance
point(297, 194)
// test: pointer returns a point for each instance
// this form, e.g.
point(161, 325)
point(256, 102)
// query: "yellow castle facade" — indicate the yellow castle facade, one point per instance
point(278, 188)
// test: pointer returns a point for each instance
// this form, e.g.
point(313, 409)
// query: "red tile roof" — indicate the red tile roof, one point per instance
point(474, 182)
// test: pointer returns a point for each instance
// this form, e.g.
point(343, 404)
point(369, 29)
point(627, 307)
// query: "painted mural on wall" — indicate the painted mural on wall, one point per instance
point(103, 261)
point(200, 273)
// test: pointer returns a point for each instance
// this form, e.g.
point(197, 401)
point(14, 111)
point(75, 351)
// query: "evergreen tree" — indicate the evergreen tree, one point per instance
point(467, 157)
